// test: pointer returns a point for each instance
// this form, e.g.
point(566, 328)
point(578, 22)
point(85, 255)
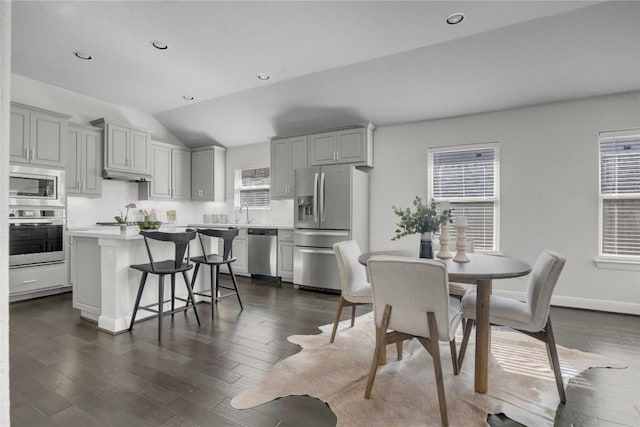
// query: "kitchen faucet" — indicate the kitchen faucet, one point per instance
point(246, 207)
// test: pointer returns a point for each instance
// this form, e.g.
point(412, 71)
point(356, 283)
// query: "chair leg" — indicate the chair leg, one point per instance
point(454, 358)
point(468, 326)
point(212, 275)
point(190, 290)
point(173, 293)
point(353, 314)
point(399, 349)
point(216, 283)
point(193, 283)
point(555, 362)
point(143, 280)
point(160, 304)
point(335, 323)
point(235, 285)
point(433, 348)
point(380, 343)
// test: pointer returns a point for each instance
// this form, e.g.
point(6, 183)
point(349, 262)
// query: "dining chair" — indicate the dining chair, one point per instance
point(161, 269)
point(531, 316)
point(214, 261)
point(411, 300)
point(355, 289)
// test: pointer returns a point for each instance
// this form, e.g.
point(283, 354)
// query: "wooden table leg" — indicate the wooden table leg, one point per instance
point(483, 336)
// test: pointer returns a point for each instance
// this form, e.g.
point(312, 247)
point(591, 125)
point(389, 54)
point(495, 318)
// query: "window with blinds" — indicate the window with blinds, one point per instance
point(620, 194)
point(252, 187)
point(467, 178)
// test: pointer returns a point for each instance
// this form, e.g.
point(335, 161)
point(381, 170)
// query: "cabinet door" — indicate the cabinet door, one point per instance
point(91, 162)
point(197, 174)
point(280, 168)
point(285, 260)
point(139, 155)
point(74, 166)
point(350, 146)
point(322, 149)
point(117, 147)
point(181, 174)
point(239, 251)
point(161, 172)
point(298, 160)
point(47, 139)
point(19, 135)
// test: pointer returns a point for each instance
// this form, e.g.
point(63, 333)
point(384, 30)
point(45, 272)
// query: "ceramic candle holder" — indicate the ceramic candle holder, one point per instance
point(461, 244)
point(444, 252)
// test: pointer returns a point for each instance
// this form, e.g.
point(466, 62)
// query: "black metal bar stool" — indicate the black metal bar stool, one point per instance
point(162, 268)
point(215, 261)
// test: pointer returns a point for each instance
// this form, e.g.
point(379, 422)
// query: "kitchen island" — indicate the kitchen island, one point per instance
point(104, 287)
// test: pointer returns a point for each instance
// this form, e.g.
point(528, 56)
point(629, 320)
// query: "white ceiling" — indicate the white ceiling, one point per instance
point(331, 63)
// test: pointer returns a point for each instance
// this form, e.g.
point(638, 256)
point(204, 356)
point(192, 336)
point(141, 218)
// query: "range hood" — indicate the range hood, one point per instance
point(126, 176)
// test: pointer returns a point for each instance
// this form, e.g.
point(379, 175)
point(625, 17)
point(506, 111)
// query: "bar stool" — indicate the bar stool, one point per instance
point(162, 268)
point(215, 261)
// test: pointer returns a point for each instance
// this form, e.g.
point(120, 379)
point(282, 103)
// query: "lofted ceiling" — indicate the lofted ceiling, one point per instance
point(331, 63)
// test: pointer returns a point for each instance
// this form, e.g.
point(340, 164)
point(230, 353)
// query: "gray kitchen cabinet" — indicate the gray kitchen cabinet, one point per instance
point(208, 174)
point(37, 136)
point(240, 251)
point(126, 149)
point(286, 155)
point(285, 254)
point(171, 172)
point(352, 145)
point(84, 161)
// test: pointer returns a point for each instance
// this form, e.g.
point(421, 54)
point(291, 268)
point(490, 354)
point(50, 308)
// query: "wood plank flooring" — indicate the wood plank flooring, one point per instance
point(66, 373)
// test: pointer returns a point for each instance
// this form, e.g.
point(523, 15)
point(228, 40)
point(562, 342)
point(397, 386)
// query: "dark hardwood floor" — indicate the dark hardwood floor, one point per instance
point(66, 373)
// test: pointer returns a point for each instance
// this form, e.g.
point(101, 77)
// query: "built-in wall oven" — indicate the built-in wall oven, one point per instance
point(37, 216)
point(36, 236)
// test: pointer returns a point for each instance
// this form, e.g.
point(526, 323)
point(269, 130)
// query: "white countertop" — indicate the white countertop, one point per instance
point(203, 225)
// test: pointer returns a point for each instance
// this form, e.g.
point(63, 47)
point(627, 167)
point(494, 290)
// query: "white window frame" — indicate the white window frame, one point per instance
point(237, 186)
point(606, 260)
point(496, 185)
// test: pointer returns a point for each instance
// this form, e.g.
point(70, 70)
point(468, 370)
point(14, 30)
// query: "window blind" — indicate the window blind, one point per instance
point(253, 187)
point(620, 195)
point(467, 179)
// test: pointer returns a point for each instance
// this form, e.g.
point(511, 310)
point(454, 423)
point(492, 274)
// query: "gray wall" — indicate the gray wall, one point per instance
point(549, 188)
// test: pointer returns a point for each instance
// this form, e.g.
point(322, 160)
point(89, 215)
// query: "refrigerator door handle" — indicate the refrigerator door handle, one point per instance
point(315, 197)
point(315, 251)
point(322, 197)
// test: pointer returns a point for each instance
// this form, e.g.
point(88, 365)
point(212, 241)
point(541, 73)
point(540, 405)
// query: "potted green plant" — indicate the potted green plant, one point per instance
point(424, 220)
point(122, 218)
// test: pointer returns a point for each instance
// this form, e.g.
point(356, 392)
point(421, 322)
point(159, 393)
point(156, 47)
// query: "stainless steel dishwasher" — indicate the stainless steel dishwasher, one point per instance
point(263, 251)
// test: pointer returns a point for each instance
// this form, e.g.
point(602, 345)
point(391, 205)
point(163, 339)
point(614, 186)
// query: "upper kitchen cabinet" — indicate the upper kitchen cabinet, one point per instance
point(84, 161)
point(37, 137)
point(208, 174)
point(287, 155)
point(171, 174)
point(352, 145)
point(126, 149)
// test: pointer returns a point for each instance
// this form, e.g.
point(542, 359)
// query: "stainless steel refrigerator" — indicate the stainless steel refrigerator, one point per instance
point(331, 205)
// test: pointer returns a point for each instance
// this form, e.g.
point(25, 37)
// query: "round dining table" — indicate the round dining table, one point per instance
point(479, 271)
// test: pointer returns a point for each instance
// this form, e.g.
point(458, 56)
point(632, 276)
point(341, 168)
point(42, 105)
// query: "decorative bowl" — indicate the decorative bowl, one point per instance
point(149, 225)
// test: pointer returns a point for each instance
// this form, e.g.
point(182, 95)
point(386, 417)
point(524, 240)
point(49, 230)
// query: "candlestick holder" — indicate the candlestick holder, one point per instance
point(461, 244)
point(444, 252)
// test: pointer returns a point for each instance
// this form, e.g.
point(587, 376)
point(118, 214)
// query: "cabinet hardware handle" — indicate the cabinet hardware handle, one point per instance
point(26, 153)
point(24, 282)
point(33, 153)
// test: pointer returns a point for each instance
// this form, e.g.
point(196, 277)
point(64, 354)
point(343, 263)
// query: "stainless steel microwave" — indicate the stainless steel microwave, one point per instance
point(31, 186)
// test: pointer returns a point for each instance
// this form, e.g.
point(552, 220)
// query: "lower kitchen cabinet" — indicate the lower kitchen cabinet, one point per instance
point(285, 254)
point(239, 250)
point(36, 281)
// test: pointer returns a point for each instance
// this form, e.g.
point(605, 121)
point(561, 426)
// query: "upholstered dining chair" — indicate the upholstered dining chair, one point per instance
point(411, 299)
point(355, 289)
point(531, 316)
point(161, 269)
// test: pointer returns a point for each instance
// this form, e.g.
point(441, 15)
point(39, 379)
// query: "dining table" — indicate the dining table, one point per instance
point(480, 271)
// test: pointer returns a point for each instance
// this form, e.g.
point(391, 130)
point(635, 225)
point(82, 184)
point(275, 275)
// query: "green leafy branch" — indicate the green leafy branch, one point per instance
point(424, 219)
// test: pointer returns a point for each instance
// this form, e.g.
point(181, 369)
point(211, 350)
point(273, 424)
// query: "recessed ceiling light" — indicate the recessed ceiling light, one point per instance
point(82, 55)
point(263, 76)
point(159, 45)
point(455, 18)
point(188, 97)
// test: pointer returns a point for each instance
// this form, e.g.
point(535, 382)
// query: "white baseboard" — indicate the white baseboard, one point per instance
point(583, 303)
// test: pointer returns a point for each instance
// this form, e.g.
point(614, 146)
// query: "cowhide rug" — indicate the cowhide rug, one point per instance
point(521, 383)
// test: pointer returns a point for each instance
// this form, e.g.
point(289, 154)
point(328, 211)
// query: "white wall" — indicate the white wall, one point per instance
point(83, 108)
point(549, 188)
